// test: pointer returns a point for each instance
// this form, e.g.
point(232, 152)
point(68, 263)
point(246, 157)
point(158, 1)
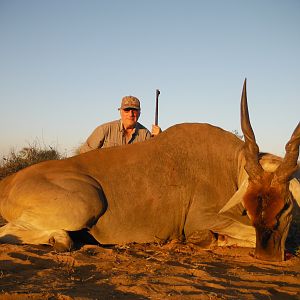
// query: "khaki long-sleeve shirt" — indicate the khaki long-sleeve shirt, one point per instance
point(112, 134)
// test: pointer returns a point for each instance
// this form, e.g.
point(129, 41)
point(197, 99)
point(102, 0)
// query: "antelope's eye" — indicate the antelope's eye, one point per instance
point(276, 225)
point(286, 206)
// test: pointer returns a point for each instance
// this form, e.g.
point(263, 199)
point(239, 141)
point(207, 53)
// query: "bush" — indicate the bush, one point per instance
point(26, 157)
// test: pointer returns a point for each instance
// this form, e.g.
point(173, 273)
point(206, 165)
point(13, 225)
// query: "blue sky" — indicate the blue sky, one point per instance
point(65, 65)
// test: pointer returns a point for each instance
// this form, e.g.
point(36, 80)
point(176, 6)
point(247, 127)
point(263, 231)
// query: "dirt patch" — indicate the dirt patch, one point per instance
point(144, 271)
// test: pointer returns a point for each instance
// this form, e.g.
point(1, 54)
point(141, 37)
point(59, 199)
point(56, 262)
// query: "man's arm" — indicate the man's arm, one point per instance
point(94, 141)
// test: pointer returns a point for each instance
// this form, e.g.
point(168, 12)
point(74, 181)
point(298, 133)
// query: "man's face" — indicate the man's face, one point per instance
point(129, 117)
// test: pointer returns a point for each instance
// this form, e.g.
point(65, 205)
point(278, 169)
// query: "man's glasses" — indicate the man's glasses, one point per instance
point(130, 108)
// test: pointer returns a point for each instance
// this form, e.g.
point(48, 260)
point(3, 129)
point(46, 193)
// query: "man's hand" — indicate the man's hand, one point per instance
point(155, 130)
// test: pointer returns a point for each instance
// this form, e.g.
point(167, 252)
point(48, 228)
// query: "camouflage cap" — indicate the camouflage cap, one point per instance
point(130, 102)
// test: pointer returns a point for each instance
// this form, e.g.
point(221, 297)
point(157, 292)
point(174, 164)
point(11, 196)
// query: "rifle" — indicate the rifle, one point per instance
point(156, 107)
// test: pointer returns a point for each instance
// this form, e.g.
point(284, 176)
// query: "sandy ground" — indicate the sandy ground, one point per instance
point(144, 271)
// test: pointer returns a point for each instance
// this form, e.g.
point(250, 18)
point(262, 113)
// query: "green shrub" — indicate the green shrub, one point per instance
point(28, 156)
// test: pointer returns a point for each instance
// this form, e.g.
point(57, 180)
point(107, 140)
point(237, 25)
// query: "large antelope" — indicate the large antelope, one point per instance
point(188, 182)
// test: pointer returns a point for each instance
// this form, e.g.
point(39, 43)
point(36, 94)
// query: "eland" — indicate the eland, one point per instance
point(192, 182)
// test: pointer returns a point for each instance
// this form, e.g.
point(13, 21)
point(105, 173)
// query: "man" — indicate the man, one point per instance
point(127, 130)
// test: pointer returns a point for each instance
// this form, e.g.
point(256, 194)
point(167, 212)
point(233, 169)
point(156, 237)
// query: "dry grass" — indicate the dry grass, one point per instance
point(26, 157)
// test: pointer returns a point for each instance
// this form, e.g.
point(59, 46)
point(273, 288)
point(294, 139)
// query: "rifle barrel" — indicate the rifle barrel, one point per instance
point(156, 107)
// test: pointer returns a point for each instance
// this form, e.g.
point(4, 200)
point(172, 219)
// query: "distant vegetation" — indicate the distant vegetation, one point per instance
point(235, 132)
point(28, 156)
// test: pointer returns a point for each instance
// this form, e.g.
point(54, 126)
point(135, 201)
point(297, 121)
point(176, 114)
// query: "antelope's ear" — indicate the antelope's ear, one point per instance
point(295, 189)
point(236, 198)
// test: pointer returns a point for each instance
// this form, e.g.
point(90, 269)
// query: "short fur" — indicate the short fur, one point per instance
point(170, 187)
